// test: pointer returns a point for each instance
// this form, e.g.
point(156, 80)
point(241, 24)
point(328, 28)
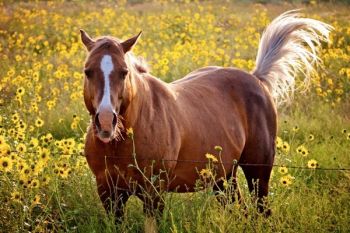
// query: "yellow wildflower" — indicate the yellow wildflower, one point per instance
point(286, 180)
point(302, 150)
point(285, 147)
point(311, 137)
point(130, 132)
point(36, 200)
point(44, 154)
point(218, 148)
point(5, 164)
point(296, 128)
point(34, 142)
point(15, 117)
point(35, 183)
point(211, 157)
point(21, 148)
point(20, 91)
point(16, 196)
point(283, 170)
point(45, 180)
point(279, 143)
point(39, 122)
point(312, 164)
point(205, 173)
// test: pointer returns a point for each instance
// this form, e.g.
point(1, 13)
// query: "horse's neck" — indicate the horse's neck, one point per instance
point(145, 90)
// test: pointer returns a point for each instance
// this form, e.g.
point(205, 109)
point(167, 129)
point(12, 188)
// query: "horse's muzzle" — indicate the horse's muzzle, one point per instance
point(105, 122)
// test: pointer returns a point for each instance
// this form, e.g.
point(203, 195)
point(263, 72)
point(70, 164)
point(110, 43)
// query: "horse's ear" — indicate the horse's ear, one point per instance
point(129, 43)
point(87, 41)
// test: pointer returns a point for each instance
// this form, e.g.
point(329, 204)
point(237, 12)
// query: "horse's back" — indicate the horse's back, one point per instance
point(197, 73)
point(238, 84)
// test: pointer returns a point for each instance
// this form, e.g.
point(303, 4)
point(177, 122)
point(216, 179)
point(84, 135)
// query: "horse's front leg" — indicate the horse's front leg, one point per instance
point(153, 207)
point(113, 199)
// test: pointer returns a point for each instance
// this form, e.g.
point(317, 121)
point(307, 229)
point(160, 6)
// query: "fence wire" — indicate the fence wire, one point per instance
point(233, 163)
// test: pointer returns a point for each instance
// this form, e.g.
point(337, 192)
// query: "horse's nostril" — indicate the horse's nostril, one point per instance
point(97, 121)
point(105, 134)
point(115, 119)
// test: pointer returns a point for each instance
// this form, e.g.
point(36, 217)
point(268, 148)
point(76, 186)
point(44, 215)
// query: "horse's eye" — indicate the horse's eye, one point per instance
point(88, 73)
point(124, 72)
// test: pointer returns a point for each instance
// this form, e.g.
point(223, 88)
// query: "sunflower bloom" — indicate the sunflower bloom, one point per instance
point(286, 180)
point(312, 164)
point(205, 173)
point(279, 143)
point(23, 181)
point(296, 128)
point(15, 118)
point(34, 142)
point(285, 147)
point(130, 132)
point(16, 197)
point(283, 170)
point(39, 123)
point(5, 149)
point(5, 164)
point(20, 91)
point(311, 137)
point(45, 180)
point(302, 150)
point(211, 157)
point(44, 155)
point(36, 200)
point(35, 183)
point(21, 148)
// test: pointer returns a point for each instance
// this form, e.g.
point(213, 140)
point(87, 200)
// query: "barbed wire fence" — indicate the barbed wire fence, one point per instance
point(233, 163)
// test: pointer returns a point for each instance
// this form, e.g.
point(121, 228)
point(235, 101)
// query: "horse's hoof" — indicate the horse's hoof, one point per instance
point(150, 225)
point(267, 213)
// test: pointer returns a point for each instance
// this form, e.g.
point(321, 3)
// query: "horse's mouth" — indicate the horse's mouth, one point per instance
point(108, 136)
point(105, 136)
point(105, 140)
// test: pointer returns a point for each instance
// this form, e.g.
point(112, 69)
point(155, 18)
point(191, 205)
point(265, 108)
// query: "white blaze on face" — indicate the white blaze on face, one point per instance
point(107, 68)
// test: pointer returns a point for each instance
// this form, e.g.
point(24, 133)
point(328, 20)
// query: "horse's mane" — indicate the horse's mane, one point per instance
point(137, 63)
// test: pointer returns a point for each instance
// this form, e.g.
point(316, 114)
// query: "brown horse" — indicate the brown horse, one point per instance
point(183, 120)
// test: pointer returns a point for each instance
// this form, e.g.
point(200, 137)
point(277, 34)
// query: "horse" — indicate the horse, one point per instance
point(173, 125)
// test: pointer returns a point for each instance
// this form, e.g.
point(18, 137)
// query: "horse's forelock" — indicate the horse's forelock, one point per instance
point(106, 42)
point(137, 64)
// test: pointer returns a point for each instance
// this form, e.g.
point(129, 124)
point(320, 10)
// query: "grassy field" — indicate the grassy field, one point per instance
point(45, 183)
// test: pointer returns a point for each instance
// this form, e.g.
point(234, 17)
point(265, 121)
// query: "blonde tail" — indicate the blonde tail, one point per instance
point(288, 47)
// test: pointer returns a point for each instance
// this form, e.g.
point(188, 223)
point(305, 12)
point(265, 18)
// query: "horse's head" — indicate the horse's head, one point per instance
point(104, 86)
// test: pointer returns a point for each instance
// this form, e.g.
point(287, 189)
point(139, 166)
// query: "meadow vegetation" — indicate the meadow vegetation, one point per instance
point(45, 183)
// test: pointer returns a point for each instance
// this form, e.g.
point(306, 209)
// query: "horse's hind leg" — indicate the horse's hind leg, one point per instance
point(257, 172)
point(258, 181)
